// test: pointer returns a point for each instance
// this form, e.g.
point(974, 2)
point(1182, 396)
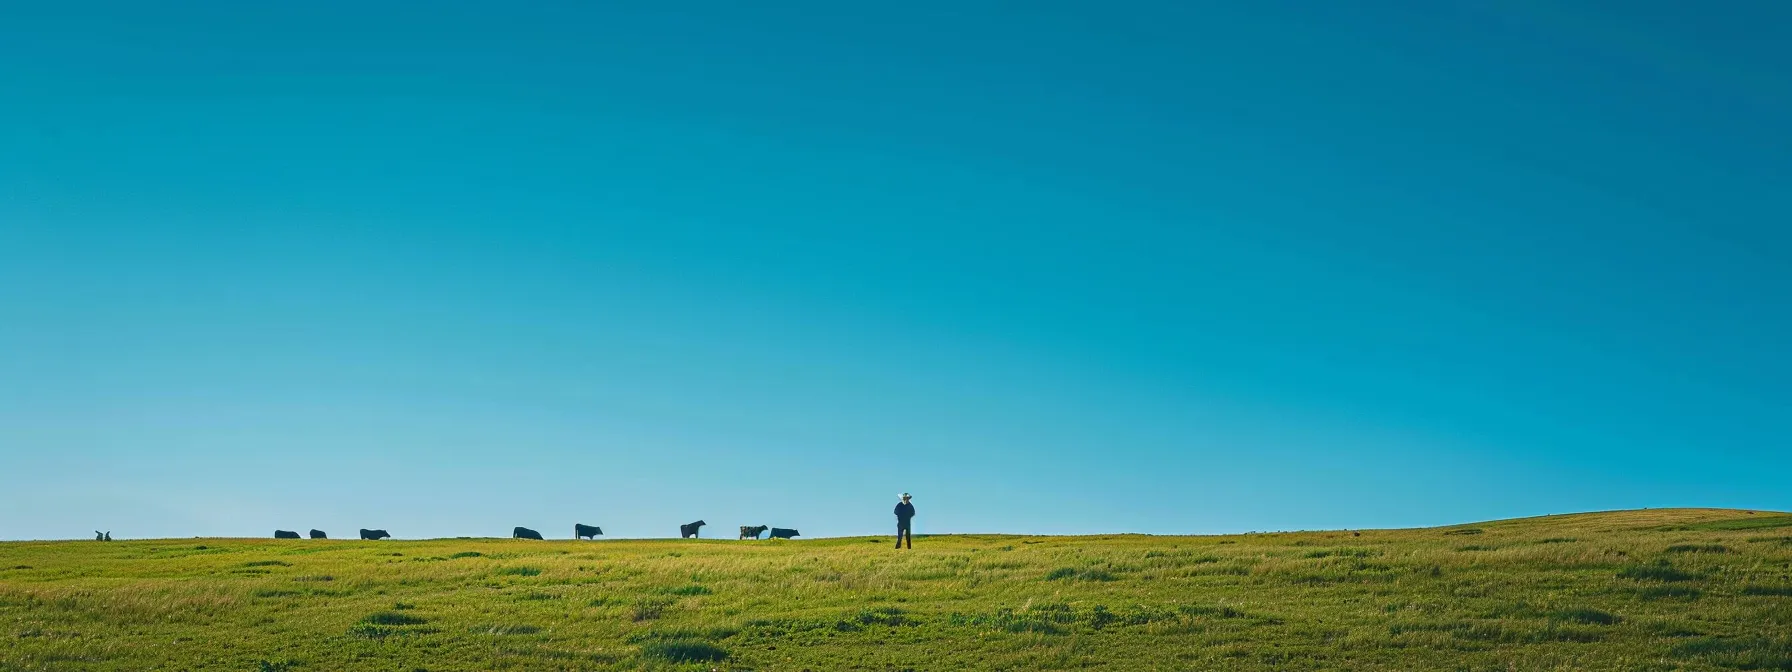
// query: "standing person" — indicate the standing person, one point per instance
point(904, 512)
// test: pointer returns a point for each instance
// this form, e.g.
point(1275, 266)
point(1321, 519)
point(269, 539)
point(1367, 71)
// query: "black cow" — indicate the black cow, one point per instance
point(751, 531)
point(285, 534)
point(689, 529)
point(374, 535)
point(781, 533)
point(319, 534)
point(583, 531)
point(525, 533)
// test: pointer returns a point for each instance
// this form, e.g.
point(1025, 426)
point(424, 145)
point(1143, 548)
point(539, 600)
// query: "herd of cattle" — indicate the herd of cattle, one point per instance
point(579, 531)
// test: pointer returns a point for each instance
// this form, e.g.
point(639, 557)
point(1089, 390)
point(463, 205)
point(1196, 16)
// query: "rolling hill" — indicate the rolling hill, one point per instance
point(1668, 589)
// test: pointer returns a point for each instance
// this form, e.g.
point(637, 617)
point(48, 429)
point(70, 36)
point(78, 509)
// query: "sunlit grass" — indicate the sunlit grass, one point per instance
point(1632, 590)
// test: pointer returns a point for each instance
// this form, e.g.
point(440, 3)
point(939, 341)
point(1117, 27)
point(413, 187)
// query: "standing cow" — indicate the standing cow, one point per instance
point(689, 529)
point(374, 535)
point(751, 531)
point(583, 531)
point(285, 534)
point(781, 533)
point(318, 534)
point(525, 533)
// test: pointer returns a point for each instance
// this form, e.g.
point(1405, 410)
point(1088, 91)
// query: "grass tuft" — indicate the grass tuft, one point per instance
point(684, 651)
point(1342, 553)
point(1669, 593)
point(393, 618)
point(1748, 652)
point(1768, 591)
point(1089, 574)
point(647, 609)
point(504, 630)
point(1656, 572)
point(889, 616)
point(1697, 548)
point(1585, 615)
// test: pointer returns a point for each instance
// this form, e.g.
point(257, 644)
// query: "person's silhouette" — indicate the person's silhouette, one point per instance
point(904, 512)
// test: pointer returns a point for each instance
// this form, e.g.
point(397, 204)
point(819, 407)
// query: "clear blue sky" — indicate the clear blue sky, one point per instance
point(1162, 267)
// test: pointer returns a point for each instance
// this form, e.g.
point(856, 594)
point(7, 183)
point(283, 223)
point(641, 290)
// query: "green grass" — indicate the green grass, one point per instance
point(1660, 571)
point(1746, 522)
point(1698, 548)
point(1685, 589)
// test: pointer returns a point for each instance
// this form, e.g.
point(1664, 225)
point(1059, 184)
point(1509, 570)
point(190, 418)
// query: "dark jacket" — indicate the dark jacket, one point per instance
point(904, 511)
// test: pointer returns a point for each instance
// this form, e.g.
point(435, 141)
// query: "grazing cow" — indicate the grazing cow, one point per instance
point(319, 534)
point(374, 535)
point(689, 529)
point(781, 533)
point(583, 531)
point(751, 531)
point(285, 534)
point(525, 533)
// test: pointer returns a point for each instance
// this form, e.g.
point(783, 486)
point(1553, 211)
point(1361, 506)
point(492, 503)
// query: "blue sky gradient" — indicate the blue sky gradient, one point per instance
point(1160, 267)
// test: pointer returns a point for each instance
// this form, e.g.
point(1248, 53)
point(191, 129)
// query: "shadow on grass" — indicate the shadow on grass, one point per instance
point(1751, 652)
point(684, 651)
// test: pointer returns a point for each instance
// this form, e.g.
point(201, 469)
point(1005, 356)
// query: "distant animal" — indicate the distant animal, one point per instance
point(583, 531)
point(751, 531)
point(285, 534)
point(1356, 534)
point(525, 533)
point(99, 536)
point(318, 534)
point(689, 529)
point(108, 536)
point(374, 535)
point(781, 533)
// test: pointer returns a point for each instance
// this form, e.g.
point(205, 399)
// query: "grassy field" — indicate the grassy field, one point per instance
point(1675, 589)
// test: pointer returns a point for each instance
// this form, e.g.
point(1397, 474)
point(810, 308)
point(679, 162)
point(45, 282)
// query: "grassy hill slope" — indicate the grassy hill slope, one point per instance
point(1672, 589)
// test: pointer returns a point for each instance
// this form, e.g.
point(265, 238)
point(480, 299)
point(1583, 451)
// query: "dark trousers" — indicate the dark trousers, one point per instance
point(902, 532)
